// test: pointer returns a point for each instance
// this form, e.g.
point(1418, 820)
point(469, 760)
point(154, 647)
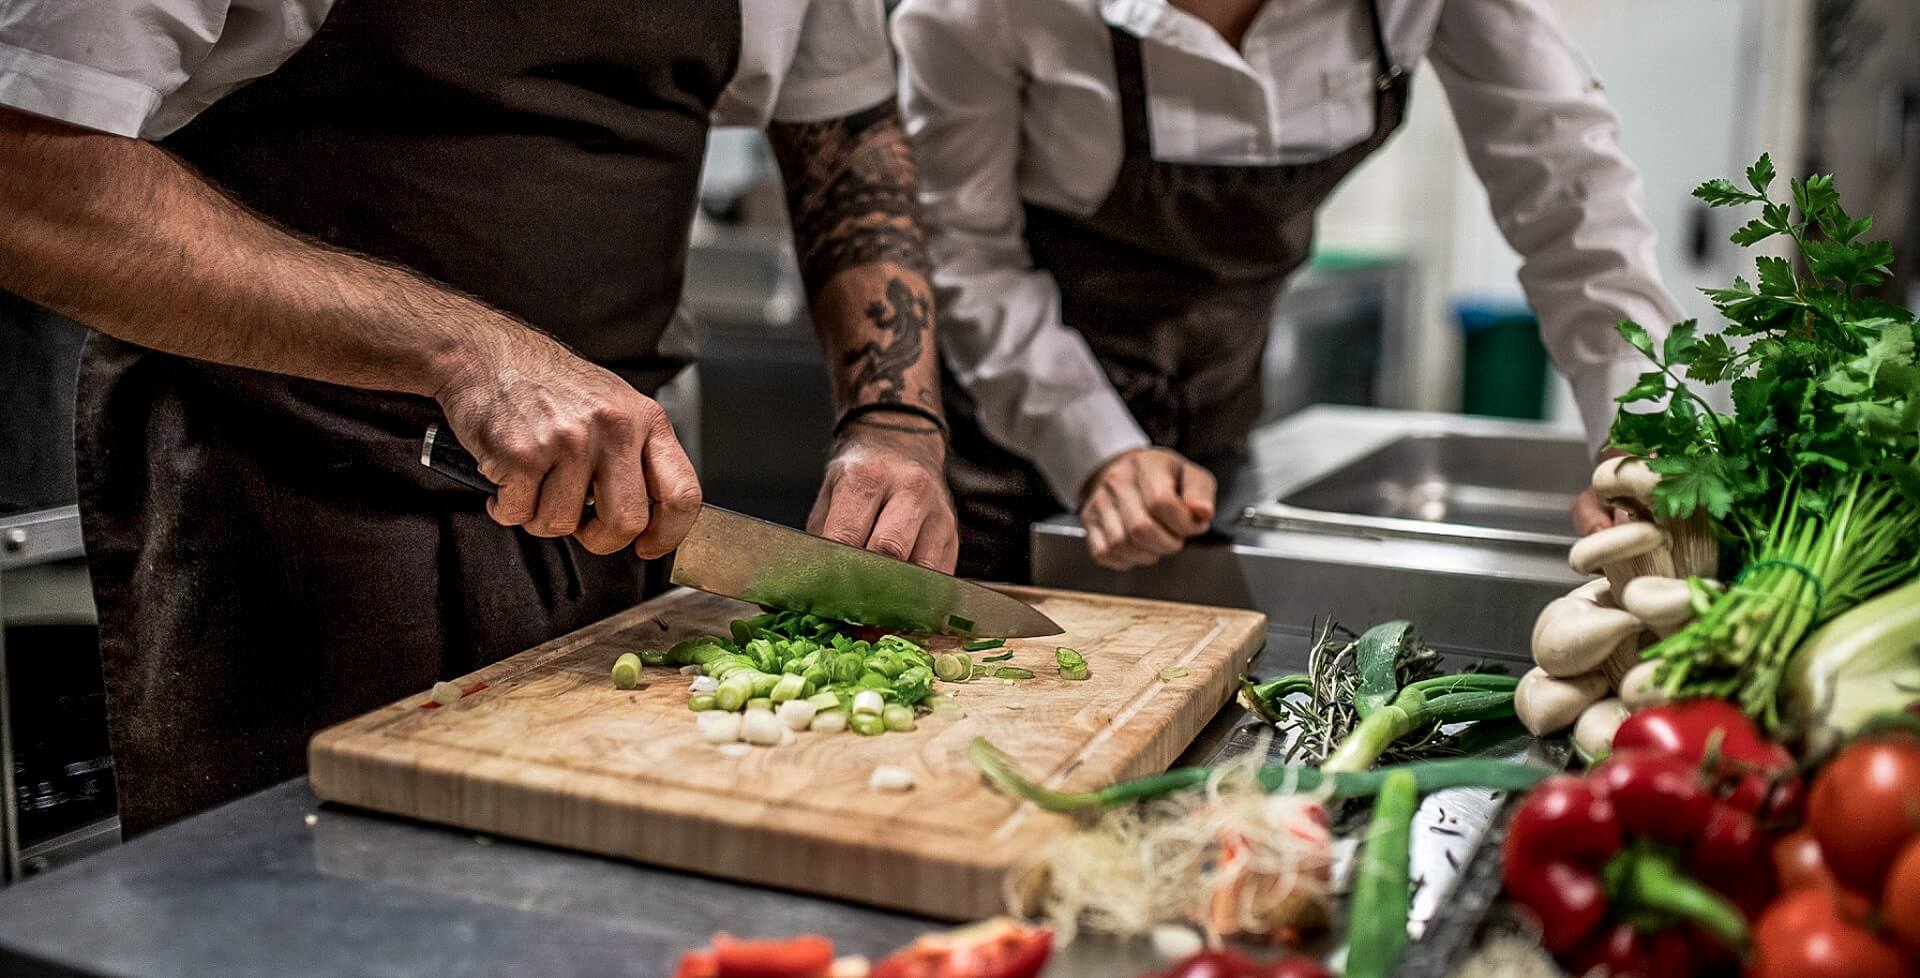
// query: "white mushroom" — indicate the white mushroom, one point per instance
point(1639, 690)
point(1623, 660)
point(1615, 544)
point(1573, 635)
point(1664, 603)
point(1626, 478)
point(1599, 591)
point(1593, 732)
point(1548, 705)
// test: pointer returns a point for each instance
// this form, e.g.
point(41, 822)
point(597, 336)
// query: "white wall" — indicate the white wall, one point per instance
point(1702, 88)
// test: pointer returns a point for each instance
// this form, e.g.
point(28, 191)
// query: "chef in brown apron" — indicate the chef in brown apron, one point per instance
point(1117, 190)
point(514, 182)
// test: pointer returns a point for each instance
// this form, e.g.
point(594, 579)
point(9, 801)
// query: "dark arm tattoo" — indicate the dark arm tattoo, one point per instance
point(850, 192)
point(856, 226)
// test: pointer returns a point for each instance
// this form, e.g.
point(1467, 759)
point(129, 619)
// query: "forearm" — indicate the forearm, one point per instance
point(118, 235)
point(850, 191)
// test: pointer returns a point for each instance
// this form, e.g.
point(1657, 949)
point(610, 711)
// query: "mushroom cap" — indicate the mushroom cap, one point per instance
point(1614, 544)
point(1593, 732)
point(1625, 477)
point(1661, 602)
point(1547, 705)
point(1573, 636)
point(1639, 689)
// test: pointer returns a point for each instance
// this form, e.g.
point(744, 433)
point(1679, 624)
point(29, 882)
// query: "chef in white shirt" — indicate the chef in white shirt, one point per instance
point(1116, 190)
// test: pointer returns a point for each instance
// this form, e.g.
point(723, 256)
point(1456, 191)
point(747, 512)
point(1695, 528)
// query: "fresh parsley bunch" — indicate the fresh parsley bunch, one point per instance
point(1815, 476)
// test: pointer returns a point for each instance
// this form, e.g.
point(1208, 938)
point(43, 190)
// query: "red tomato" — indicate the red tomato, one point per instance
point(998, 948)
point(1622, 951)
point(1804, 935)
point(1900, 904)
point(1213, 964)
point(1292, 966)
point(807, 956)
point(1866, 804)
point(1797, 863)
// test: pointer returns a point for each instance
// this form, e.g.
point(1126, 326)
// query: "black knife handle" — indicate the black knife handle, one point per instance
point(440, 452)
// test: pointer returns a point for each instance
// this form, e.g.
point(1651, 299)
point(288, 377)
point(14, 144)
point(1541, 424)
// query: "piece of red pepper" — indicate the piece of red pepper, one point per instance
point(1586, 853)
point(1756, 774)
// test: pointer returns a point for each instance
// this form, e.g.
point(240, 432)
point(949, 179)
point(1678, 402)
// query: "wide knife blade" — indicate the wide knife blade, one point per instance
point(738, 556)
point(742, 557)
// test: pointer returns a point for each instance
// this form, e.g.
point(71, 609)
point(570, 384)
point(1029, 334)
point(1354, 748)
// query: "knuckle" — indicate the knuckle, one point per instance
point(683, 498)
point(890, 545)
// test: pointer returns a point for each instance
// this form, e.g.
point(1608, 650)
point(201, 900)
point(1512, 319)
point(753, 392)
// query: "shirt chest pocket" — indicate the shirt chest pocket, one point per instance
point(1340, 113)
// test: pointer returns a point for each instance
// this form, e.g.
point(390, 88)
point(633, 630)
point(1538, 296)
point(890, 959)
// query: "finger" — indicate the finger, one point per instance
point(1589, 514)
point(516, 499)
point(1143, 531)
point(896, 531)
point(674, 488)
point(939, 544)
point(1197, 487)
point(563, 494)
point(621, 507)
point(1161, 496)
point(853, 506)
point(822, 502)
point(1121, 554)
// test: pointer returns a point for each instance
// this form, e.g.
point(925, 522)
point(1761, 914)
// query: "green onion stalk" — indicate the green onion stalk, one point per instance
point(1802, 570)
point(1428, 776)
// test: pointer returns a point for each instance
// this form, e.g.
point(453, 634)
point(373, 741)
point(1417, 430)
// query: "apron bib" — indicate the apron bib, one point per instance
point(268, 556)
point(1172, 281)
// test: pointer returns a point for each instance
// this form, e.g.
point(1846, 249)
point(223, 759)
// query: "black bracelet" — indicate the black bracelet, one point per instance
point(859, 411)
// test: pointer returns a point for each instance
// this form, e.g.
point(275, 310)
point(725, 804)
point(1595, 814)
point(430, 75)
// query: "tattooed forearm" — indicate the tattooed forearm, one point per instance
point(850, 191)
point(856, 226)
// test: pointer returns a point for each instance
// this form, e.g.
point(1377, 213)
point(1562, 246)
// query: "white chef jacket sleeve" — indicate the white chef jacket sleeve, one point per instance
point(1037, 387)
point(841, 65)
point(142, 67)
point(1544, 141)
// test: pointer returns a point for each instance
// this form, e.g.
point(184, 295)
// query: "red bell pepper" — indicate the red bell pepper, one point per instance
point(1754, 773)
point(997, 948)
point(1588, 854)
point(806, 956)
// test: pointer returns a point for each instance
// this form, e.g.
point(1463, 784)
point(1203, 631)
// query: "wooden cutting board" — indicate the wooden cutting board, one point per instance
point(543, 747)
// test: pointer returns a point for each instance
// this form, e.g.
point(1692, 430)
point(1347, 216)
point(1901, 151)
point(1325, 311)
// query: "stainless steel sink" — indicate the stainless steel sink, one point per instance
point(1459, 524)
point(1505, 489)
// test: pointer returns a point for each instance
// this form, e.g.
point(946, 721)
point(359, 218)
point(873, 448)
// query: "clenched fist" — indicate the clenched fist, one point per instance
point(1143, 505)
point(552, 431)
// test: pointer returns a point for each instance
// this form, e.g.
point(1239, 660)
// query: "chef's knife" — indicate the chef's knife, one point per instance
point(738, 556)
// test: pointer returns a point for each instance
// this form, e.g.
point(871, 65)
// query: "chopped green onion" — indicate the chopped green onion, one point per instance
point(1002, 657)
point(951, 668)
point(788, 688)
point(984, 644)
point(824, 701)
point(652, 657)
point(946, 706)
point(1012, 672)
point(828, 721)
point(731, 695)
point(1073, 665)
point(626, 671)
point(702, 703)
point(763, 684)
point(898, 719)
point(868, 702)
point(867, 724)
point(959, 624)
point(1172, 673)
point(760, 703)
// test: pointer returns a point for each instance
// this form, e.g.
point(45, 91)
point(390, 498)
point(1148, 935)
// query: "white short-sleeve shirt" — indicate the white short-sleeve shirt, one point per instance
point(147, 67)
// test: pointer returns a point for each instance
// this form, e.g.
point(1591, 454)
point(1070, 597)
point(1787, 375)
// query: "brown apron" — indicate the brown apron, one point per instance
point(268, 555)
point(1172, 282)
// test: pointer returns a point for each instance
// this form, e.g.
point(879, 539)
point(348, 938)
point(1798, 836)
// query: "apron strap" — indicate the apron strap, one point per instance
point(1130, 83)
point(1390, 70)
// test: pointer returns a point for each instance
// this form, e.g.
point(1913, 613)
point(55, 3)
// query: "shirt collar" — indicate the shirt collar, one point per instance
point(1161, 22)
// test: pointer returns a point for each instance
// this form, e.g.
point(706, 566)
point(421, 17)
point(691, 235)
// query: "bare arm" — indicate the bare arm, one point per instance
point(119, 235)
point(851, 193)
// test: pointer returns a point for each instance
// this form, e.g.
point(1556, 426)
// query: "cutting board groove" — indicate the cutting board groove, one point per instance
point(549, 751)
